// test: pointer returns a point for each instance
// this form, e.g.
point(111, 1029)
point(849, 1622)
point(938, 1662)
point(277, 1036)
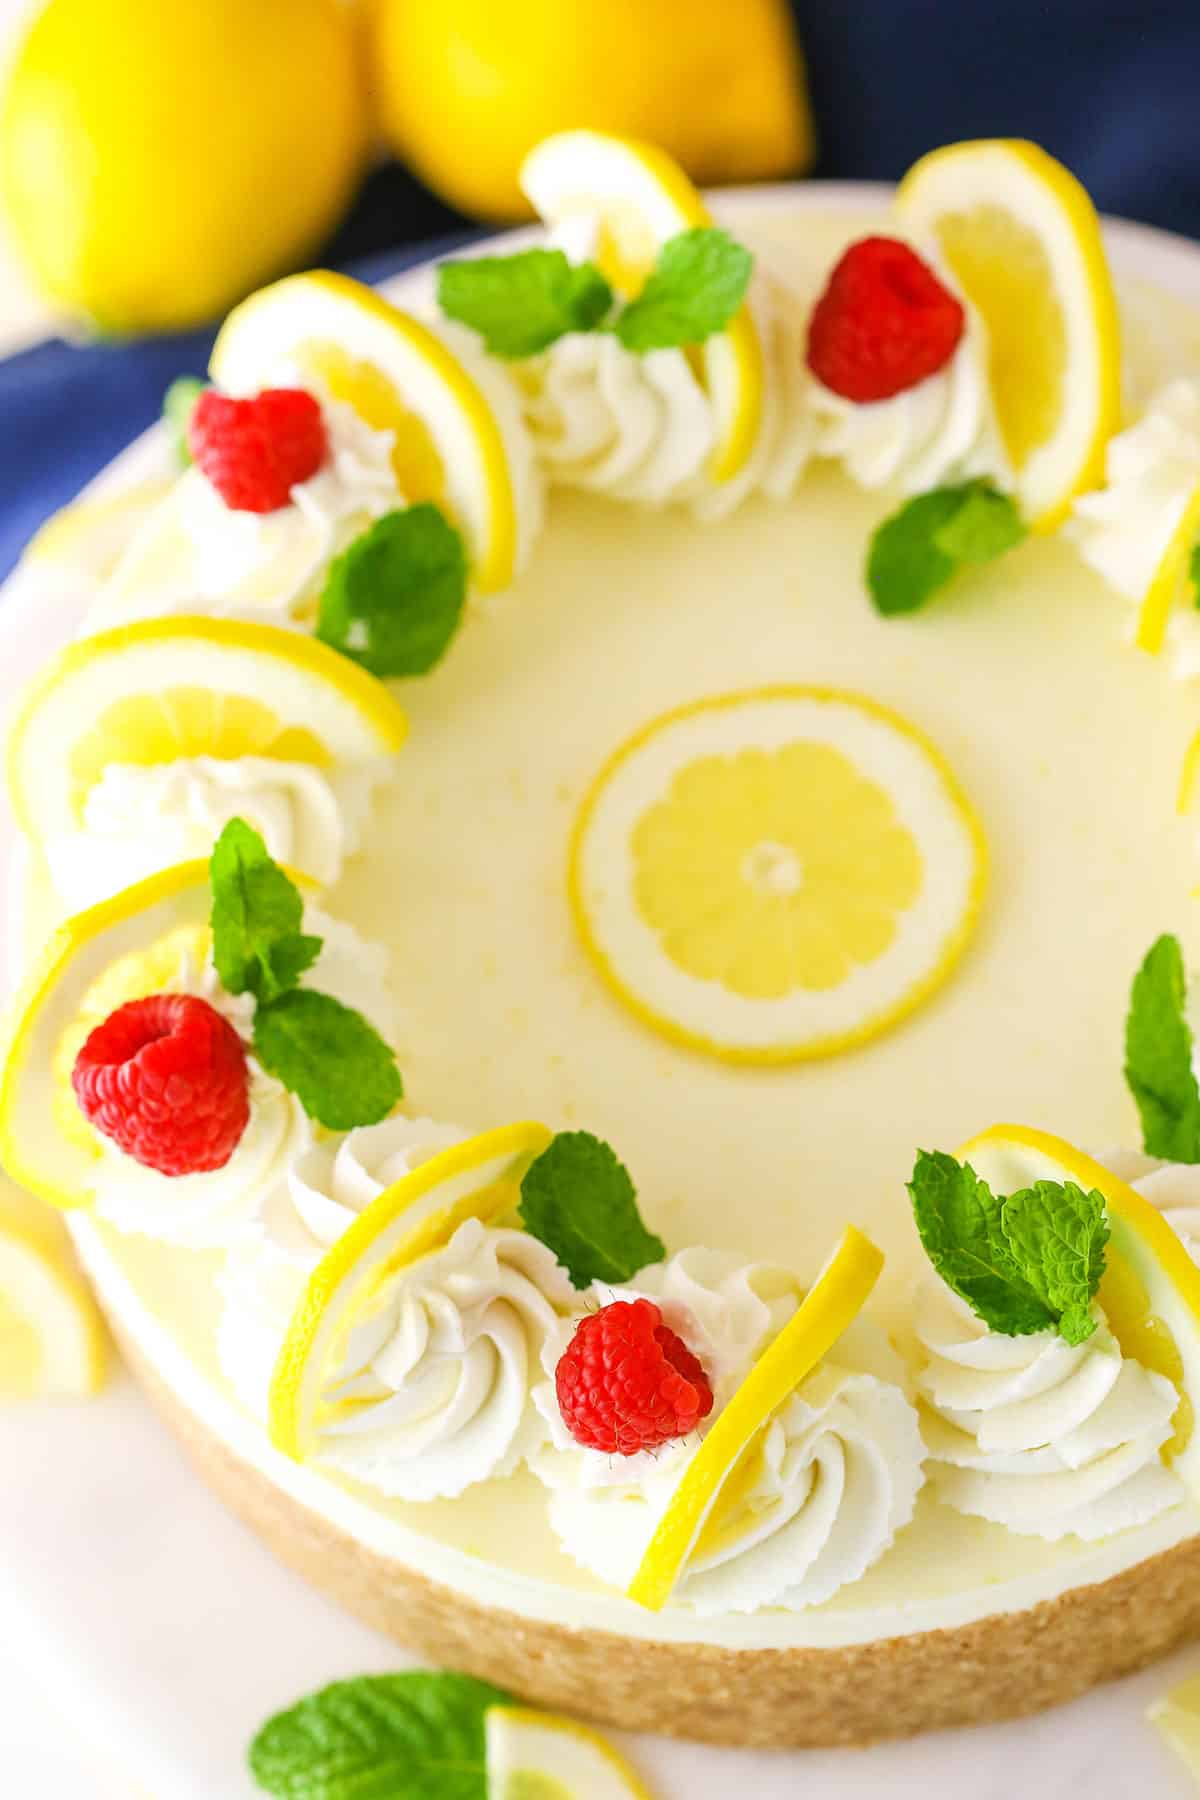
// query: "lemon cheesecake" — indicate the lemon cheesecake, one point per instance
point(658, 752)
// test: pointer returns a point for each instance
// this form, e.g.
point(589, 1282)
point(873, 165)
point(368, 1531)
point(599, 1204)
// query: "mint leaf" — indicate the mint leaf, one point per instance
point(177, 405)
point(917, 550)
point(258, 946)
point(1057, 1234)
point(1158, 1056)
point(329, 1056)
point(394, 598)
point(694, 289)
point(520, 304)
point(380, 1737)
point(1194, 573)
point(578, 1198)
point(960, 1224)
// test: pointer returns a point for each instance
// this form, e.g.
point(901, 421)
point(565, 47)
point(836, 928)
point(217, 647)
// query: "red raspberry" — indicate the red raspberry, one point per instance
point(884, 323)
point(166, 1079)
point(255, 451)
point(626, 1382)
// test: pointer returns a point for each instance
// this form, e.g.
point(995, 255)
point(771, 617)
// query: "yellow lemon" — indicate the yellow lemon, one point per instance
point(52, 1344)
point(466, 88)
point(775, 875)
point(537, 1756)
point(159, 158)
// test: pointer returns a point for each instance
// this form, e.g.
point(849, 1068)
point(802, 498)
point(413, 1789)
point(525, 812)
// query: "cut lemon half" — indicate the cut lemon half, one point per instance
point(1150, 1292)
point(832, 1303)
point(478, 1179)
point(125, 947)
point(1169, 579)
point(538, 1756)
point(1023, 241)
point(639, 197)
point(399, 377)
point(1176, 1717)
point(776, 875)
point(162, 689)
point(52, 1343)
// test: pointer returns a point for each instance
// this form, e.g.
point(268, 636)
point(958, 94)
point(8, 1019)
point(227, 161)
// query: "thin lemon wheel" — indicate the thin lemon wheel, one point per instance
point(1169, 578)
point(1022, 238)
point(161, 689)
point(400, 377)
point(1150, 1291)
point(88, 537)
point(832, 1303)
point(52, 1343)
point(478, 1179)
point(776, 875)
point(640, 197)
point(538, 1756)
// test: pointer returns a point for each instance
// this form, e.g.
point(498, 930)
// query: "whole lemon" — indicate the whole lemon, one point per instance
point(465, 87)
point(159, 158)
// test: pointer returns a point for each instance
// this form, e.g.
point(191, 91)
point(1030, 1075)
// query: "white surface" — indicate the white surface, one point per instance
point(144, 1635)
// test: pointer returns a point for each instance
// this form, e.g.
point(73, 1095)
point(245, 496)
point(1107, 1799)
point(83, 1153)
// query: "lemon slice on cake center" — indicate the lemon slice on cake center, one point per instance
point(777, 874)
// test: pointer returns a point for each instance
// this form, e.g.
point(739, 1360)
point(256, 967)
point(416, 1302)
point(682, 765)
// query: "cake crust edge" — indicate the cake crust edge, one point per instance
point(998, 1668)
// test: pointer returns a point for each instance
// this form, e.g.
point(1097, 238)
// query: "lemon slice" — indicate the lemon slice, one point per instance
point(640, 197)
point(88, 537)
point(1150, 1291)
point(775, 875)
point(162, 689)
point(52, 1343)
point(835, 1299)
point(478, 1179)
point(1177, 1719)
point(1022, 238)
point(537, 1756)
point(1169, 578)
point(124, 947)
point(400, 377)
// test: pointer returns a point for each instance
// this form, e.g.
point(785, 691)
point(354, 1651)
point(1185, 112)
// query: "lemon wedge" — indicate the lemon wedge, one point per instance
point(52, 1343)
point(1150, 1291)
point(124, 947)
point(831, 1304)
point(450, 445)
point(775, 875)
point(639, 197)
point(1177, 1719)
point(1022, 239)
point(538, 1756)
point(162, 689)
point(478, 1179)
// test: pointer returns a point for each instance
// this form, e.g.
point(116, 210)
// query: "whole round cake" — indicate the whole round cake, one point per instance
point(607, 903)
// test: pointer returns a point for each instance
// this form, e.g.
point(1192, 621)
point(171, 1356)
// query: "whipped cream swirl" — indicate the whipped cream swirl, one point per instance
point(823, 1493)
point(1123, 529)
point(1174, 1188)
point(137, 820)
point(942, 430)
point(1046, 1438)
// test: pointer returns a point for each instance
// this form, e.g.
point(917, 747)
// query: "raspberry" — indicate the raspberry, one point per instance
point(884, 323)
point(626, 1382)
point(166, 1079)
point(255, 451)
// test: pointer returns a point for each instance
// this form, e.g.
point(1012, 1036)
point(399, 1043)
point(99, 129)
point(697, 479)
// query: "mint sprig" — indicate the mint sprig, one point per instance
point(579, 1199)
point(177, 405)
point(393, 599)
point(420, 1735)
point(328, 1055)
point(1024, 1262)
point(1158, 1055)
point(1194, 573)
point(520, 304)
point(524, 303)
point(919, 548)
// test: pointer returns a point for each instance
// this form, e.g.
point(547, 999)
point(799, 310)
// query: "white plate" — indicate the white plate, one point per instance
point(164, 1634)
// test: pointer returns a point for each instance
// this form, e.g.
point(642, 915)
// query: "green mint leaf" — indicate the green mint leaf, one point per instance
point(985, 524)
point(694, 289)
point(917, 550)
point(960, 1224)
point(329, 1056)
point(1057, 1234)
point(258, 946)
point(177, 405)
point(1194, 573)
point(379, 1737)
point(1158, 1056)
point(520, 304)
point(578, 1198)
point(394, 598)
